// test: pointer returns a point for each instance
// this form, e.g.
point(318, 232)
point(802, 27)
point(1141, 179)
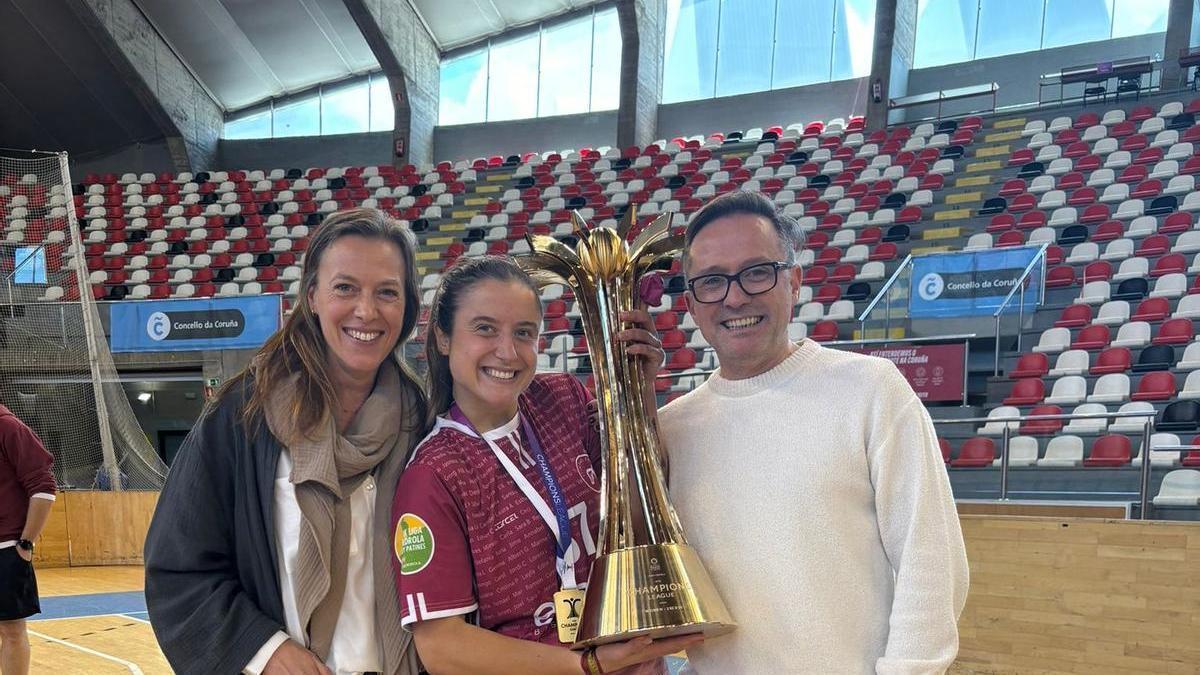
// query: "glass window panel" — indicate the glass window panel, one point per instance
point(744, 46)
point(463, 89)
point(567, 54)
point(29, 265)
point(1195, 39)
point(346, 109)
point(690, 50)
point(945, 32)
point(383, 112)
point(256, 125)
point(853, 38)
point(803, 43)
point(298, 118)
point(1138, 17)
point(1070, 22)
point(1006, 27)
point(606, 61)
point(512, 84)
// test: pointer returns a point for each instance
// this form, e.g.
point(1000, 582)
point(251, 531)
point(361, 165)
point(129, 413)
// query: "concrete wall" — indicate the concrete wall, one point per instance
point(193, 112)
point(468, 141)
point(137, 158)
point(305, 151)
point(410, 60)
point(762, 109)
point(1017, 74)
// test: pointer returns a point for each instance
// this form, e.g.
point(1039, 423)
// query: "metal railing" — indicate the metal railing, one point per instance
point(1020, 285)
point(1006, 433)
point(886, 291)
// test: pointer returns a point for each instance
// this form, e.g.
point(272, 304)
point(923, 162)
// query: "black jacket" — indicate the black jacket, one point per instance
point(212, 586)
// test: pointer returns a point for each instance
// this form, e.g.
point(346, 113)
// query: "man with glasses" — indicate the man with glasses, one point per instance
point(809, 479)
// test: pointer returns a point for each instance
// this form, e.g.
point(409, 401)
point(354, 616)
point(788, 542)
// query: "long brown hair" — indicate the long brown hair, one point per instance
point(454, 284)
point(298, 348)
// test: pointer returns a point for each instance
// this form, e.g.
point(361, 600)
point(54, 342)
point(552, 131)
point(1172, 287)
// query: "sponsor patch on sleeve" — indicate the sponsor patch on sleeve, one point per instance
point(413, 543)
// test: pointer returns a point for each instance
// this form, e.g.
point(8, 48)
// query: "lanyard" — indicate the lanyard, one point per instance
point(554, 514)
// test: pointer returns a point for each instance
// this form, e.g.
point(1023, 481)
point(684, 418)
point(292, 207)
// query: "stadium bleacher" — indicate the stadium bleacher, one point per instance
point(1111, 192)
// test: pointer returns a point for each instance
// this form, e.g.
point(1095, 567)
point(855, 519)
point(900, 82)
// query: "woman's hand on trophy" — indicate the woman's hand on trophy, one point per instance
point(617, 657)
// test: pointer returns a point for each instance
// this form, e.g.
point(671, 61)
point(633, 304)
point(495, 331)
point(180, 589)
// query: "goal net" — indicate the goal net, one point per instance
point(56, 370)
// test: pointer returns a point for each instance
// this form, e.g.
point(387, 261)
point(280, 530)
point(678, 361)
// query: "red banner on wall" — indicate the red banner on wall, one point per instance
point(935, 372)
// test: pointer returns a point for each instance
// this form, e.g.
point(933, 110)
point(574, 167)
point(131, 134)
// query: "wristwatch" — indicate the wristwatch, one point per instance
point(25, 545)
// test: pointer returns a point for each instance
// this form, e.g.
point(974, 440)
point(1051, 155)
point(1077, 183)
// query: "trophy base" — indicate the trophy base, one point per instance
point(659, 590)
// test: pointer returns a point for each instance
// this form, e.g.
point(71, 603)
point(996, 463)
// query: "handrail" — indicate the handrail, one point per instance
point(1041, 255)
point(1006, 434)
point(887, 287)
point(876, 341)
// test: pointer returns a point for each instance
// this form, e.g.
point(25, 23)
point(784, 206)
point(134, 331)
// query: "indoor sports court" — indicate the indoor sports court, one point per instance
point(998, 197)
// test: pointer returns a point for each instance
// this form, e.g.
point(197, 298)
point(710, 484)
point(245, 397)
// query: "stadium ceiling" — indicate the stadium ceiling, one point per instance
point(455, 23)
point(247, 51)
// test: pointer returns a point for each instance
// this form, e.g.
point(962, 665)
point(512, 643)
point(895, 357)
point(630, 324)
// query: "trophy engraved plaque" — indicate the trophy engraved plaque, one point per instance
point(646, 580)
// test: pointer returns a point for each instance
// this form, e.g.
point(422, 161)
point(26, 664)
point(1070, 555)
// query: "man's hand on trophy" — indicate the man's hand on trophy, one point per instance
point(625, 658)
point(641, 338)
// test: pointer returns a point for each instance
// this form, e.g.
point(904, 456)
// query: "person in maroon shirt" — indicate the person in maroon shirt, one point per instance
point(511, 461)
point(26, 493)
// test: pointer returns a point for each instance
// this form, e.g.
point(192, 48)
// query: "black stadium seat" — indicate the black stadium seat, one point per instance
point(797, 157)
point(1132, 290)
point(1031, 170)
point(896, 200)
point(1179, 416)
point(819, 182)
point(1182, 121)
point(859, 290)
point(1162, 205)
point(947, 126)
point(897, 233)
point(1155, 357)
point(993, 206)
point(1075, 234)
point(952, 152)
point(293, 174)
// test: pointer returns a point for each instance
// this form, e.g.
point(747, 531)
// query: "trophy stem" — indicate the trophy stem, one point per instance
point(633, 479)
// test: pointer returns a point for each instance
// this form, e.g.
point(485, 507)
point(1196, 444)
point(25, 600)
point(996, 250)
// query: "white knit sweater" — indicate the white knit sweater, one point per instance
point(816, 495)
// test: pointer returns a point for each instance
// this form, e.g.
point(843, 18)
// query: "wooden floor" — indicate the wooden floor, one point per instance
point(95, 643)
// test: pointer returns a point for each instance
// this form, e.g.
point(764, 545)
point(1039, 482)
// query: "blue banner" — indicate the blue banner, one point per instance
point(191, 325)
point(974, 283)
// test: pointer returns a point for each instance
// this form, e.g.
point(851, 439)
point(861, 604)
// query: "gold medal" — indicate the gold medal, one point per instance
point(568, 608)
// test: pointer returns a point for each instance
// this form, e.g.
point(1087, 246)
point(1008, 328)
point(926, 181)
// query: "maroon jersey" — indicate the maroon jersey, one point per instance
point(468, 541)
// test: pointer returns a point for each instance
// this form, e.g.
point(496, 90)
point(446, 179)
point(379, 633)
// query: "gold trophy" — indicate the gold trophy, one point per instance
point(646, 580)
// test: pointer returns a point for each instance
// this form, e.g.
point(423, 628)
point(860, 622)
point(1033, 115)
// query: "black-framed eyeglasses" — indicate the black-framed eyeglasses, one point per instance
point(754, 280)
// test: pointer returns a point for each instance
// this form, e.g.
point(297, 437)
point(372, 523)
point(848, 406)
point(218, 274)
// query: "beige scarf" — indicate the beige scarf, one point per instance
point(326, 470)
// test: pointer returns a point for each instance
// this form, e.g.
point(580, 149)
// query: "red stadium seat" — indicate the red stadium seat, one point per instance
point(1169, 264)
point(975, 453)
point(1112, 360)
point(1109, 451)
point(1156, 386)
point(1043, 427)
point(828, 293)
point(1174, 332)
point(1101, 270)
point(1093, 337)
point(1030, 365)
point(824, 331)
point(1061, 276)
point(1074, 316)
point(1026, 392)
point(1153, 310)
